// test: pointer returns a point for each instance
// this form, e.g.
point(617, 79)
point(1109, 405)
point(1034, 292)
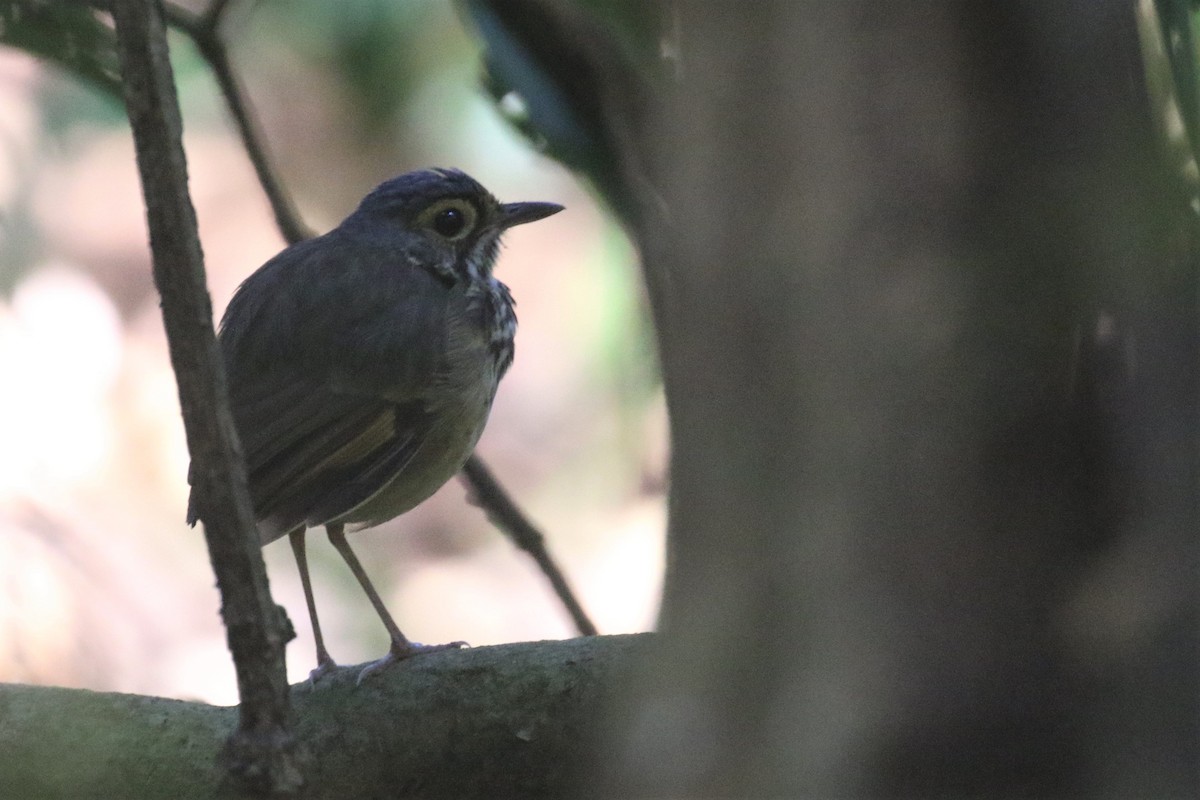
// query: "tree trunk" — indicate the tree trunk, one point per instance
point(929, 345)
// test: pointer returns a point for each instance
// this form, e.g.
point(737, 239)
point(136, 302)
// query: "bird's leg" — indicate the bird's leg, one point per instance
point(401, 647)
point(325, 663)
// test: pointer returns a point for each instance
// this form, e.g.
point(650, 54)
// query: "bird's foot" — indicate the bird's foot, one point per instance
point(325, 667)
point(403, 651)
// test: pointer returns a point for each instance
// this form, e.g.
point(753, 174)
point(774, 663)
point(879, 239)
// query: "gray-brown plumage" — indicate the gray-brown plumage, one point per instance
point(363, 363)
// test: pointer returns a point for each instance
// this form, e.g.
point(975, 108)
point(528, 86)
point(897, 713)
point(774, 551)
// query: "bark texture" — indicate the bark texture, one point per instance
point(489, 722)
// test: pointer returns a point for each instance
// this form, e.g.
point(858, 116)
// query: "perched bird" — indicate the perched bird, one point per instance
point(362, 365)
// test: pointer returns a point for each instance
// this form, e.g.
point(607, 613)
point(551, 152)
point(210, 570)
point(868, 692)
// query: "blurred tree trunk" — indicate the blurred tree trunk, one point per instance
point(927, 320)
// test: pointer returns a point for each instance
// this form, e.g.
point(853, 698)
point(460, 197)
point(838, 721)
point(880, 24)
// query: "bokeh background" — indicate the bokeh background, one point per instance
point(102, 585)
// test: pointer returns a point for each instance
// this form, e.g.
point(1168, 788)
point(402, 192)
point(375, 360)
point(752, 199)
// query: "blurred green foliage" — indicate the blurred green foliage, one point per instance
point(540, 68)
point(379, 50)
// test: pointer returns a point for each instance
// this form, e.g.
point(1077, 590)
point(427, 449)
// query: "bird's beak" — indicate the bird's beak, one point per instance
point(520, 213)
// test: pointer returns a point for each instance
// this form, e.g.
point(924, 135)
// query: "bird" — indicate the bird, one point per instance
point(362, 365)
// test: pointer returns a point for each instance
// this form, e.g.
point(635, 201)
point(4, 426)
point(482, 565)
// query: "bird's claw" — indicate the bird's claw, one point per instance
point(403, 652)
point(322, 670)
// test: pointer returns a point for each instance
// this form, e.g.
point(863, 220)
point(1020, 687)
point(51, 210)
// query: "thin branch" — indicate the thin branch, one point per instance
point(506, 516)
point(204, 32)
point(496, 503)
point(504, 513)
point(259, 755)
point(212, 16)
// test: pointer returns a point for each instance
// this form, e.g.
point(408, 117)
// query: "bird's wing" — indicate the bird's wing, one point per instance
point(314, 453)
point(332, 352)
point(341, 312)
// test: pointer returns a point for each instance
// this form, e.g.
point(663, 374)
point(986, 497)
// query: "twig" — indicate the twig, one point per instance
point(212, 15)
point(260, 755)
point(204, 31)
point(504, 514)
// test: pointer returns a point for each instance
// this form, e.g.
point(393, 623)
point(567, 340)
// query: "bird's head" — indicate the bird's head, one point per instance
point(444, 220)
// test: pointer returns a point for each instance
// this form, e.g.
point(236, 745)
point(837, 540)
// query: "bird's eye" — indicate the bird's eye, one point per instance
point(449, 222)
point(451, 219)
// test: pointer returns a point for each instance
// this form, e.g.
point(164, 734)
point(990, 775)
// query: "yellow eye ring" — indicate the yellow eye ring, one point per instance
point(451, 219)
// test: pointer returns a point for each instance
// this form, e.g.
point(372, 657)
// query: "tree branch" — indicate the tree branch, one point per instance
point(259, 753)
point(487, 722)
point(204, 31)
point(504, 514)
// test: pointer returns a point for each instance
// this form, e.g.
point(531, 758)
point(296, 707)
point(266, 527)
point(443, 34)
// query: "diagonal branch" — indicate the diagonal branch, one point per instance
point(204, 31)
point(505, 515)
